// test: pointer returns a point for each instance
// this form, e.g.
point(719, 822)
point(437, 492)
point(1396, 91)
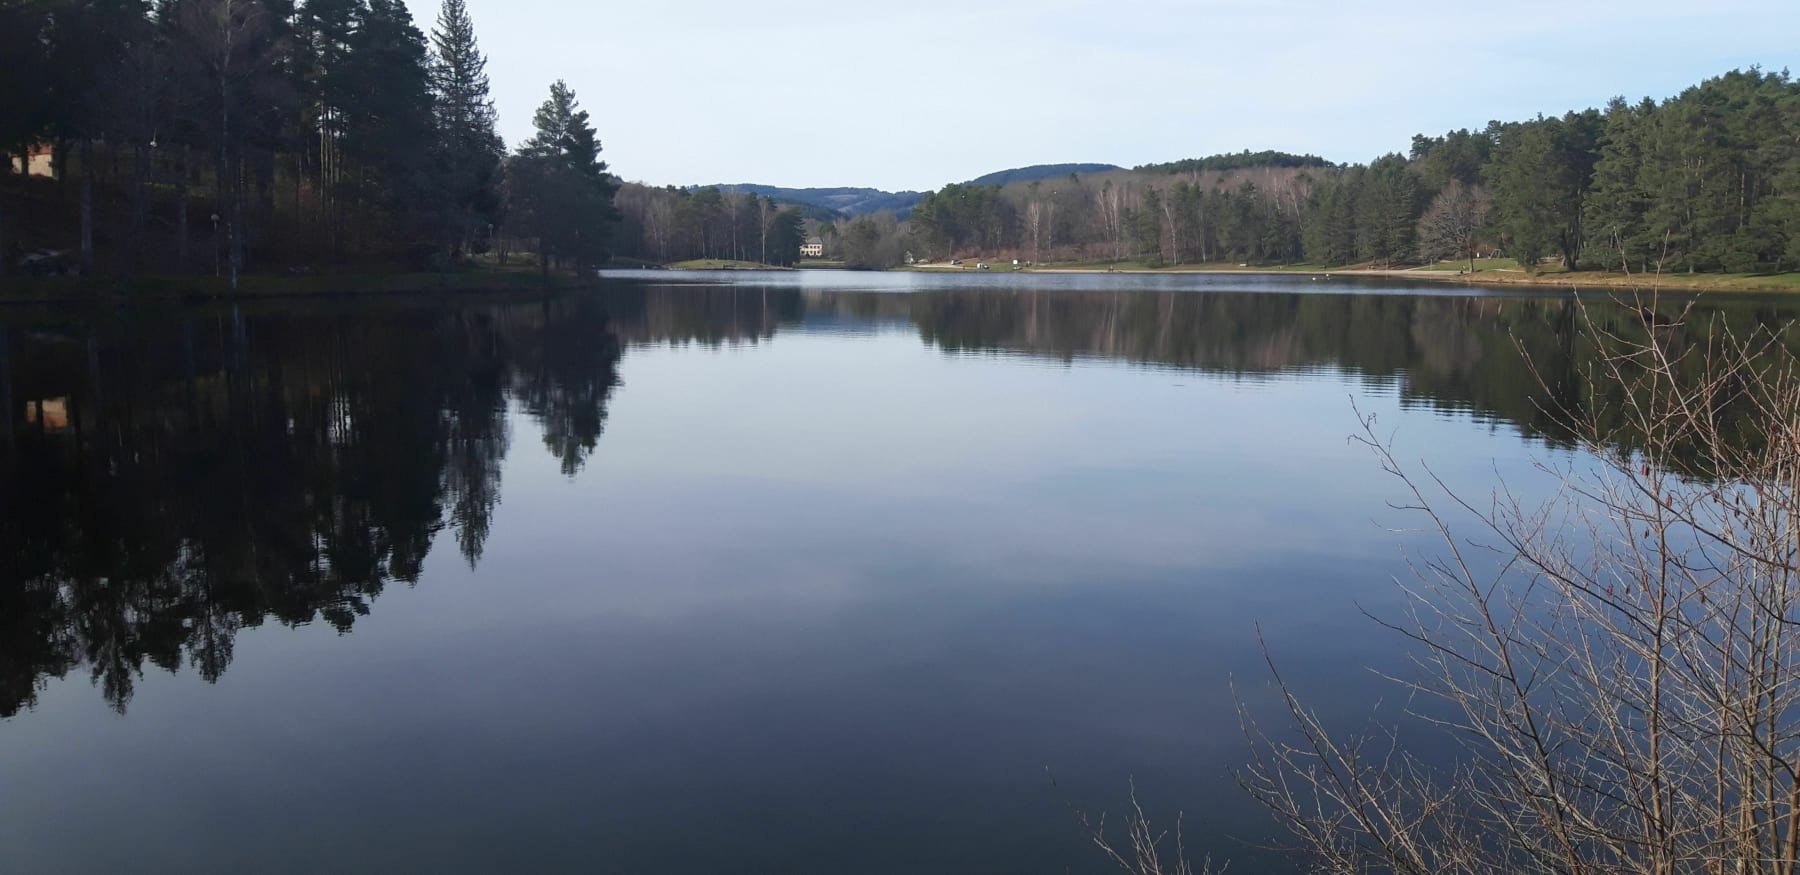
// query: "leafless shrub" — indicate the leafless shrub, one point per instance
point(1143, 849)
point(1618, 665)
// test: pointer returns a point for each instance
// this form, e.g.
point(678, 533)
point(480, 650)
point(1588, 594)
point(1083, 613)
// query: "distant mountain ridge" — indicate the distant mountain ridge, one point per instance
point(1038, 172)
point(847, 201)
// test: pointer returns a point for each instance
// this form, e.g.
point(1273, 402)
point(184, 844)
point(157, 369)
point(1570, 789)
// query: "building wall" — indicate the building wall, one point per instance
point(40, 163)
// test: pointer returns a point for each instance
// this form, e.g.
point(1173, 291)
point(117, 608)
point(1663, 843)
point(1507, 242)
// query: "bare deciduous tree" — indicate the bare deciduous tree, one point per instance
point(1452, 223)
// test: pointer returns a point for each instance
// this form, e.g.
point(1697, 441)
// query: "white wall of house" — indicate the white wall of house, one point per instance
point(40, 164)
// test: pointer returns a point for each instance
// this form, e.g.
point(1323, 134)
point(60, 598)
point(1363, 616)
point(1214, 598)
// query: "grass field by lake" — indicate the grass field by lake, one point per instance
point(721, 264)
point(1487, 271)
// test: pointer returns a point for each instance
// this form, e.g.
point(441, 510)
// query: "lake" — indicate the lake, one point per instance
point(787, 572)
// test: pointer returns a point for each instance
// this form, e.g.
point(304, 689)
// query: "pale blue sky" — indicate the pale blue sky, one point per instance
point(922, 93)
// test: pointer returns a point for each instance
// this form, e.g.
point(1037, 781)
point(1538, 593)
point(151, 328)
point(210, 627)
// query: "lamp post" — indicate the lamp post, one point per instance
point(215, 226)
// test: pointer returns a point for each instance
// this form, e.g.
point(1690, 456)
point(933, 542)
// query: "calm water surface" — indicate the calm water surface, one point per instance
point(762, 573)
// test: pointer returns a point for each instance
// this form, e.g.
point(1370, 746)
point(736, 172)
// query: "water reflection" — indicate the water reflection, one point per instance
point(168, 479)
point(1530, 362)
point(175, 480)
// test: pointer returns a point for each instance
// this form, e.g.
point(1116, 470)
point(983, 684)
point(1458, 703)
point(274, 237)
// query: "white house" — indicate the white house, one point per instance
point(38, 162)
point(812, 248)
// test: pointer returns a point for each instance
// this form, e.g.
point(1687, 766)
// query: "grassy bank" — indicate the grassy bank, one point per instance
point(1147, 267)
point(942, 266)
point(1507, 272)
point(1496, 271)
point(157, 286)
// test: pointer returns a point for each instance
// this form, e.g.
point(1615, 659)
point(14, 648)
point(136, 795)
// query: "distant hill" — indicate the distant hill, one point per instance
point(827, 203)
point(861, 201)
point(846, 201)
point(1040, 171)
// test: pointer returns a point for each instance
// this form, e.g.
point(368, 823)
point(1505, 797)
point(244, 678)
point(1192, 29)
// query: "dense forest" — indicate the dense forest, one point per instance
point(664, 225)
point(1708, 180)
point(227, 135)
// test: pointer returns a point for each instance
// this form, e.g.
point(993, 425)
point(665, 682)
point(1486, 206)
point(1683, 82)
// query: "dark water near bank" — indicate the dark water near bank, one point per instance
point(759, 573)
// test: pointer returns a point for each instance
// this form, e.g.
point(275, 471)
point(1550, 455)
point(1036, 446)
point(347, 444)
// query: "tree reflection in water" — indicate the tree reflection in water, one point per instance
point(176, 480)
point(167, 480)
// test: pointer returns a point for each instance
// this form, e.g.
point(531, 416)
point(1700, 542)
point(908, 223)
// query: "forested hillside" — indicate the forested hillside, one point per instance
point(841, 201)
point(1707, 180)
point(1038, 172)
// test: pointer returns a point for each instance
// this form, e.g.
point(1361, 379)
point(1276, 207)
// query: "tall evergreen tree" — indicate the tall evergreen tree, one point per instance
point(1526, 197)
point(1618, 233)
point(388, 131)
point(324, 30)
point(558, 188)
point(469, 147)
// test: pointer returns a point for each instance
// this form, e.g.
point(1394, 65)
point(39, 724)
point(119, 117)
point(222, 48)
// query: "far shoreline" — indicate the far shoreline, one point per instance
point(497, 280)
point(1759, 283)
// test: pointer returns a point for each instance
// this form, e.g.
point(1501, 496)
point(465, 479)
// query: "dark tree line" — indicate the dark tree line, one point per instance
point(1116, 217)
point(1708, 180)
point(1237, 161)
point(228, 135)
point(663, 225)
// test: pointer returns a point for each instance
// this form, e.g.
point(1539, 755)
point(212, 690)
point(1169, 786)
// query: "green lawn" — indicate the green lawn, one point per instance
point(1214, 266)
point(1482, 265)
point(968, 264)
point(719, 264)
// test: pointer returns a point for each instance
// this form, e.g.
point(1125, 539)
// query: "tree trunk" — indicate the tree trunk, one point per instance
point(181, 214)
point(6, 399)
point(234, 225)
point(87, 206)
point(140, 204)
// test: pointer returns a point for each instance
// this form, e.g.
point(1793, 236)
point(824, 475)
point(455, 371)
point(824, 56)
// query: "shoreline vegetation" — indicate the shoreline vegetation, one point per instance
point(1442, 272)
point(489, 277)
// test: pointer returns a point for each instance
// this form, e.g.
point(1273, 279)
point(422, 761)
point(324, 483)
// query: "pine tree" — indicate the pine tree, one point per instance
point(388, 132)
point(325, 29)
point(469, 147)
point(1618, 233)
point(1522, 177)
point(559, 189)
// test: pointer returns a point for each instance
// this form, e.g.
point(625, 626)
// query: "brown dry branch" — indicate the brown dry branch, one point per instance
point(1618, 664)
point(1144, 849)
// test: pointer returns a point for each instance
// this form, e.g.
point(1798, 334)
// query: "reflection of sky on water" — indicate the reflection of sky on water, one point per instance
point(828, 602)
